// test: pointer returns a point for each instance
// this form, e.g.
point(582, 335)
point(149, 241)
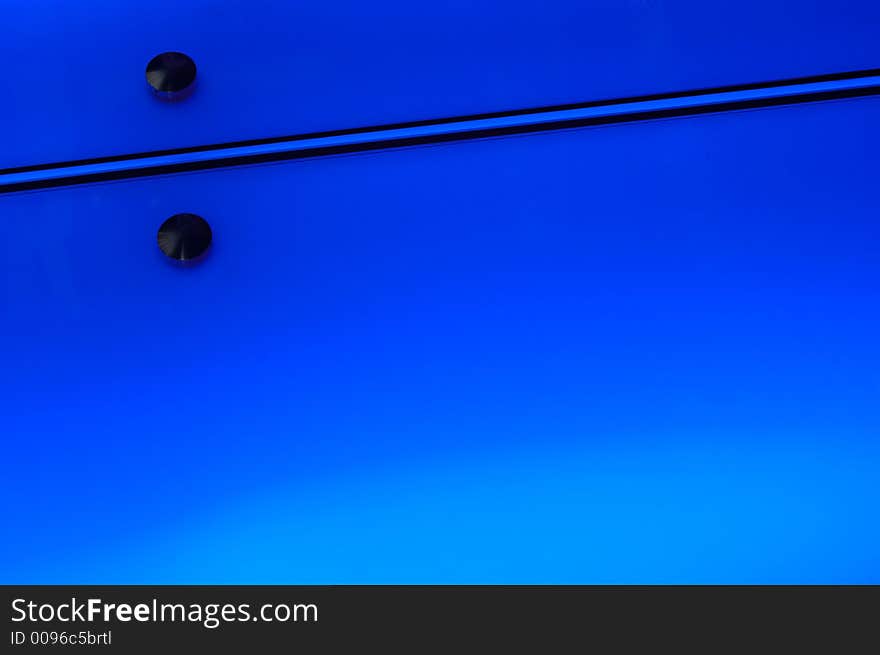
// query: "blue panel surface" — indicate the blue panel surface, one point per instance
point(76, 86)
point(632, 354)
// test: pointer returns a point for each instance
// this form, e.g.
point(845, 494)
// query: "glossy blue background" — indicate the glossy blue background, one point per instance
point(76, 86)
point(635, 354)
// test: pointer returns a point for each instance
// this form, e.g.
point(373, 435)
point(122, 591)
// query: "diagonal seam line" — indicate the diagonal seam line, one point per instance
point(605, 112)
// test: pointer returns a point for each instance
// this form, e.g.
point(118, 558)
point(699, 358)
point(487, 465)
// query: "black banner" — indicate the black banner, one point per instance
point(269, 619)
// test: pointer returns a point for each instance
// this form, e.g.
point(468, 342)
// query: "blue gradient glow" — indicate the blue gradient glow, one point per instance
point(641, 353)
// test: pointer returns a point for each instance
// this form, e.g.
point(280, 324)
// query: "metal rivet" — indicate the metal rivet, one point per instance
point(185, 237)
point(171, 75)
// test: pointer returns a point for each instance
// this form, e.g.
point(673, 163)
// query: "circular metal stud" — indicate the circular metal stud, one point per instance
point(171, 75)
point(185, 237)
